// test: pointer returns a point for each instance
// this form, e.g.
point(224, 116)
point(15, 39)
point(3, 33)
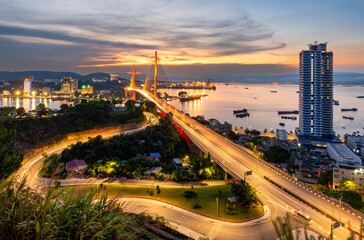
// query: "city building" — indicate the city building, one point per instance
point(46, 91)
point(76, 166)
point(316, 96)
point(154, 156)
point(356, 144)
point(27, 86)
point(86, 89)
point(114, 77)
point(281, 136)
point(69, 85)
point(98, 80)
point(6, 93)
point(177, 163)
point(343, 155)
point(354, 173)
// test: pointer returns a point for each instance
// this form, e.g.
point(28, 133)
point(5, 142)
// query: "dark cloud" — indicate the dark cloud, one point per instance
point(20, 31)
point(126, 29)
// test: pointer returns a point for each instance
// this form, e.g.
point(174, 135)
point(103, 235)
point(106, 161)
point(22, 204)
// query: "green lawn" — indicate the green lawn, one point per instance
point(206, 197)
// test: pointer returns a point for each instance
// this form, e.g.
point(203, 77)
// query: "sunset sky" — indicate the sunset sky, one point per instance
point(257, 37)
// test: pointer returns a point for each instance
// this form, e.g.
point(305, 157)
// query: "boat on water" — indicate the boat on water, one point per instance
point(189, 98)
point(335, 102)
point(273, 91)
point(242, 115)
point(246, 88)
point(240, 111)
point(281, 124)
point(288, 112)
point(182, 93)
point(350, 118)
point(349, 109)
point(289, 117)
point(297, 91)
point(360, 97)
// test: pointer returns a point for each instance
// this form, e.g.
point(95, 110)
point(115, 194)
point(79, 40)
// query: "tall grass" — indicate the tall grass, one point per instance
point(60, 214)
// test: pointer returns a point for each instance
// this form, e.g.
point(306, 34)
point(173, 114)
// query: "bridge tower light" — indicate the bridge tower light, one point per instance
point(132, 83)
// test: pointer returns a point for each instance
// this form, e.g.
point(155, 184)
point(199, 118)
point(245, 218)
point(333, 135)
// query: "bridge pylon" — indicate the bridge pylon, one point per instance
point(132, 83)
point(155, 74)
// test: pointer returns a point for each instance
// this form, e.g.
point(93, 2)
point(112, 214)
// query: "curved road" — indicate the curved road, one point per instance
point(273, 198)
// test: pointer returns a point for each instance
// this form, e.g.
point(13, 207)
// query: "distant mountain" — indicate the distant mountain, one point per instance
point(345, 78)
point(41, 75)
point(99, 75)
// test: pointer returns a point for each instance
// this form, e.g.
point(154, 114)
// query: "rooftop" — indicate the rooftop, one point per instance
point(75, 163)
point(345, 153)
point(155, 154)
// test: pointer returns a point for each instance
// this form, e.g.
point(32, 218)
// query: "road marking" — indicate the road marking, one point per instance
point(214, 231)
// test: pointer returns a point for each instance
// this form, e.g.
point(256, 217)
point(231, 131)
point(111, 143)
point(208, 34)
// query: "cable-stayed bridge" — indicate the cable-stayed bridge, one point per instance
point(279, 190)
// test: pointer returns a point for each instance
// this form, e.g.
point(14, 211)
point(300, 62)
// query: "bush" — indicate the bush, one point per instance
point(159, 176)
point(197, 206)
point(190, 194)
point(180, 175)
point(231, 209)
point(62, 214)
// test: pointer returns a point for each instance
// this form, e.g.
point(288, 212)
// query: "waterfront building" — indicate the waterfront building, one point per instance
point(27, 86)
point(86, 89)
point(316, 96)
point(69, 85)
point(356, 144)
point(281, 136)
point(46, 91)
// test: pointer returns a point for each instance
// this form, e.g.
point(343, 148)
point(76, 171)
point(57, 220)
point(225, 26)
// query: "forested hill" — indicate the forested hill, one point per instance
point(41, 75)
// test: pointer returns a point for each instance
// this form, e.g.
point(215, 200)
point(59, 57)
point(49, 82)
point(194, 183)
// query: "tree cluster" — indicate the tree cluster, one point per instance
point(44, 123)
point(277, 154)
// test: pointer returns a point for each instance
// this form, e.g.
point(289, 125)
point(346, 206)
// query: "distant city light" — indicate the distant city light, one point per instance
point(17, 92)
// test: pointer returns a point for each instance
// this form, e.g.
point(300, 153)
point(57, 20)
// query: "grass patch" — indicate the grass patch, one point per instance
point(206, 198)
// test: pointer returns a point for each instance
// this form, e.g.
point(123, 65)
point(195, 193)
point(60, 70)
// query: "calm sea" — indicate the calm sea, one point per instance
point(263, 105)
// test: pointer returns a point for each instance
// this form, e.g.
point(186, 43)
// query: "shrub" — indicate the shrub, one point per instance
point(197, 206)
point(190, 194)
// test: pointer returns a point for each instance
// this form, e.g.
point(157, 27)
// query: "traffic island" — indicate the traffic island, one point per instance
point(209, 201)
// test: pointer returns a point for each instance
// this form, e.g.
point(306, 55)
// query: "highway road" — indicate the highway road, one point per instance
point(237, 160)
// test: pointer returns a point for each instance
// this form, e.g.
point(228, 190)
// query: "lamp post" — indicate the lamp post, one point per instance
point(217, 206)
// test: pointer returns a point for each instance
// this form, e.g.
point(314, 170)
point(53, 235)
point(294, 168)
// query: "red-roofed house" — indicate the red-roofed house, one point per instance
point(76, 166)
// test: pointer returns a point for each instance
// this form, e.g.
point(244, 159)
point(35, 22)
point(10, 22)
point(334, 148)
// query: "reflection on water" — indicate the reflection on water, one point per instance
point(30, 103)
point(263, 105)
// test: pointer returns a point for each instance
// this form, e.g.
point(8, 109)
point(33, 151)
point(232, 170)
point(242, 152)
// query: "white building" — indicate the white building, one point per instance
point(356, 144)
point(281, 136)
point(27, 86)
point(342, 154)
point(354, 173)
point(316, 94)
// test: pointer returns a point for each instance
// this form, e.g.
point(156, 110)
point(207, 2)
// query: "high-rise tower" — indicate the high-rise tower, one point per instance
point(316, 92)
